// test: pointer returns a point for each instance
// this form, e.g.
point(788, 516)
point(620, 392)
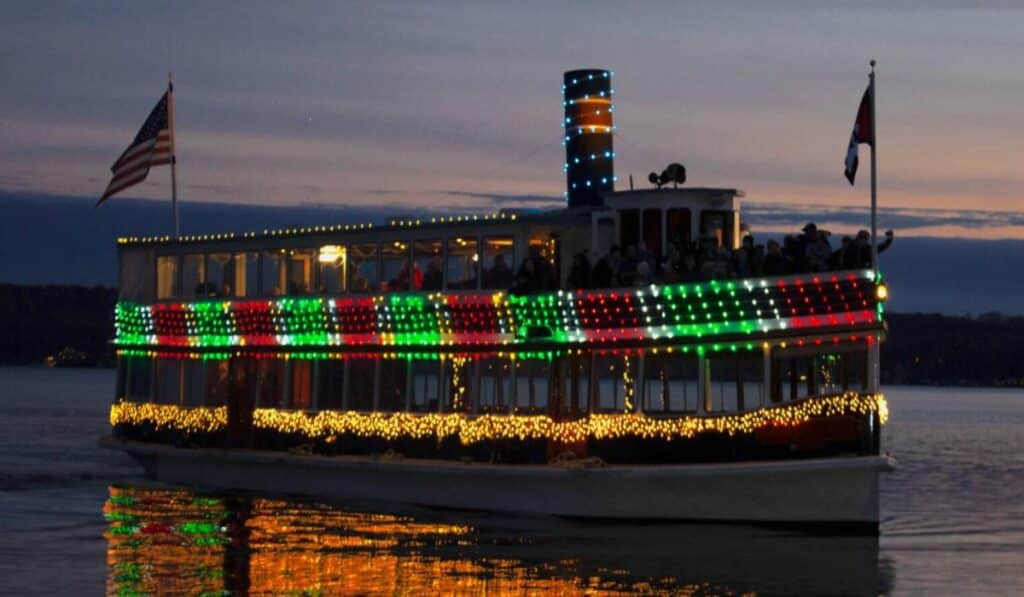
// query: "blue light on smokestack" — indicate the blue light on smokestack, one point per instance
point(588, 135)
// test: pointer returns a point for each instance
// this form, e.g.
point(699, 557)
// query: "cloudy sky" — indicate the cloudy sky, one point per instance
point(458, 105)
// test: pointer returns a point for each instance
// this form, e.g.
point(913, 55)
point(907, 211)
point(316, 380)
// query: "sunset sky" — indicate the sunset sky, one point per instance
point(458, 105)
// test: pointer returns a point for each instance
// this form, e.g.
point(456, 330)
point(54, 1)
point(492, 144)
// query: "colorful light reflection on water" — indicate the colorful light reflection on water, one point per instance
point(171, 541)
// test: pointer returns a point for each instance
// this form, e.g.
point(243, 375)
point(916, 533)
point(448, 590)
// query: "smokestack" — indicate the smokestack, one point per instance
point(589, 158)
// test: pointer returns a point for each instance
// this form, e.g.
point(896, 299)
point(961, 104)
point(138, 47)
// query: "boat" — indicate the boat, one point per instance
point(490, 362)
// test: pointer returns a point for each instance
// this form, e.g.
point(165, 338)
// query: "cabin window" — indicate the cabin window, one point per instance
point(798, 376)
point(218, 382)
point(629, 227)
point(168, 377)
point(300, 271)
point(220, 274)
point(362, 268)
point(426, 385)
point(719, 226)
point(247, 274)
point(192, 386)
point(576, 384)
point(495, 385)
point(362, 379)
point(301, 395)
point(193, 275)
point(394, 259)
point(670, 383)
point(140, 379)
point(426, 257)
point(652, 231)
point(330, 384)
point(734, 382)
point(461, 384)
point(332, 269)
point(605, 236)
point(678, 224)
point(272, 273)
point(463, 263)
point(533, 378)
point(394, 375)
point(615, 377)
point(271, 375)
point(167, 277)
point(499, 258)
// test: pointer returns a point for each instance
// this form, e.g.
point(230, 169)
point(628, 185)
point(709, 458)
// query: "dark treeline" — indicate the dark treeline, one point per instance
point(37, 322)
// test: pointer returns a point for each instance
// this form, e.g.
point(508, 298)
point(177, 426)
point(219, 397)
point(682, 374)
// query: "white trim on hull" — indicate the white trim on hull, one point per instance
point(826, 491)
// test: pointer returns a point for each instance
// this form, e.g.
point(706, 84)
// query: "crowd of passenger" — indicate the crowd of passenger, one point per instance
point(707, 259)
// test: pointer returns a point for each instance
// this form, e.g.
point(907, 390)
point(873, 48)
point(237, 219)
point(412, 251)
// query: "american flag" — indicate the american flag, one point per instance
point(153, 146)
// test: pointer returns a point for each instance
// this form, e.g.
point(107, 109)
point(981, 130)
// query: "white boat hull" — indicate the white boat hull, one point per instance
point(840, 491)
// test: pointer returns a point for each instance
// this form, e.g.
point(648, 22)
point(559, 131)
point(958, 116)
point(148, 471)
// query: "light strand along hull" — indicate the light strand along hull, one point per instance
point(840, 493)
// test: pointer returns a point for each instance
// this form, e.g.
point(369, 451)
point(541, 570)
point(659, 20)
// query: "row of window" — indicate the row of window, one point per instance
point(463, 262)
point(567, 385)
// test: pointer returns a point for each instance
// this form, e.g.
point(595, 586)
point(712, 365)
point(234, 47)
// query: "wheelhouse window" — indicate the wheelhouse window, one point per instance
point(396, 274)
point(167, 277)
point(220, 274)
point(247, 274)
point(300, 271)
point(331, 259)
point(363, 268)
point(499, 257)
point(272, 273)
point(193, 275)
point(426, 256)
point(463, 263)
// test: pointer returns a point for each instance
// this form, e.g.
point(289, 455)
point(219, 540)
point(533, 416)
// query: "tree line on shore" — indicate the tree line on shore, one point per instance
point(73, 325)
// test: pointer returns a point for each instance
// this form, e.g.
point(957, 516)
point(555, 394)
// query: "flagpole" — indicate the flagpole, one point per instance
point(874, 176)
point(174, 155)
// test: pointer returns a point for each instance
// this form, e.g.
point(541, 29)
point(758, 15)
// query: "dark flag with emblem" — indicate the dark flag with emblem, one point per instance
point(152, 146)
point(862, 133)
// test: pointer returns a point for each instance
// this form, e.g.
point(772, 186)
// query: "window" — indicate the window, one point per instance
point(463, 261)
point(331, 386)
point(734, 382)
point(168, 373)
point(670, 383)
point(461, 387)
point(140, 379)
point(678, 224)
point(332, 269)
point(393, 377)
point(363, 377)
point(271, 373)
point(718, 225)
point(272, 273)
point(426, 385)
point(193, 389)
point(247, 274)
point(499, 257)
point(193, 275)
point(615, 382)
point(220, 274)
point(362, 269)
point(302, 385)
point(629, 227)
point(300, 272)
point(167, 277)
point(426, 257)
point(218, 382)
point(532, 377)
point(495, 385)
point(652, 231)
point(605, 236)
point(576, 384)
point(394, 260)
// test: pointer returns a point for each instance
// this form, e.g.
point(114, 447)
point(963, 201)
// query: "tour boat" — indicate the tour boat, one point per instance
point(459, 362)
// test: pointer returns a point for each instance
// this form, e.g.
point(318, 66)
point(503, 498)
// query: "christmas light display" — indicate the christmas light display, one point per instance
point(751, 308)
point(328, 425)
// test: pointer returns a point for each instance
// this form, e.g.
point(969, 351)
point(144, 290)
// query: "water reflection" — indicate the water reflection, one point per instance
point(171, 541)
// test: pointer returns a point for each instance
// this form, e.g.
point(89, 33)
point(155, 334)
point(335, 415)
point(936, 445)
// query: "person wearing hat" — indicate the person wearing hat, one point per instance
point(863, 247)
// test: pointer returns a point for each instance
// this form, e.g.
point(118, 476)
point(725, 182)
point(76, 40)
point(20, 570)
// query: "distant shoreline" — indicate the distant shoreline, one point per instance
point(74, 325)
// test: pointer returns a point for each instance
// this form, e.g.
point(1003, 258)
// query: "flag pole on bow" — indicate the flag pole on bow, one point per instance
point(174, 155)
point(874, 175)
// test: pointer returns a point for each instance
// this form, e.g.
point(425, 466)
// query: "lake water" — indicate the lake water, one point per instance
point(79, 520)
